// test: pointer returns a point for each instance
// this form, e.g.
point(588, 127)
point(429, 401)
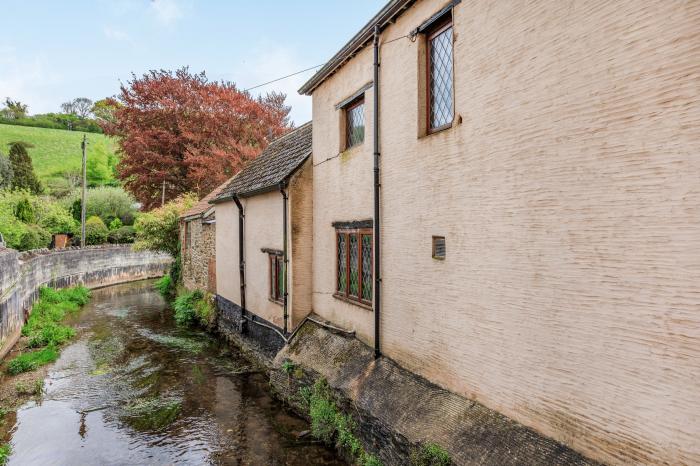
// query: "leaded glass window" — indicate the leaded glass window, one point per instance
point(355, 123)
point(342, 264)
point(367, 267)
point(353, 257)
point(354, 265)
point(440, 89)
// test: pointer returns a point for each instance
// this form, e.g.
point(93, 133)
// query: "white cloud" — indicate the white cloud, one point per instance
point(272, 62)
point(116, 34)
point(25, 79)
point(167, 12)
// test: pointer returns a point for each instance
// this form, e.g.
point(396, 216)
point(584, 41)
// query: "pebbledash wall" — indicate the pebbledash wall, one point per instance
point(568, 194)
point(22, 274)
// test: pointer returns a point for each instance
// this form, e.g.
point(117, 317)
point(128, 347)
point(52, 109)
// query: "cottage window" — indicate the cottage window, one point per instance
point(354, 265)
point(188, 236)
point(355, 123)
point(440, 78)
point(276, 277)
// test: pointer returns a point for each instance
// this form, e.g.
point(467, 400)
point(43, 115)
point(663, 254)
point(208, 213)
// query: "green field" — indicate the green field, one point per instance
point(57, 152)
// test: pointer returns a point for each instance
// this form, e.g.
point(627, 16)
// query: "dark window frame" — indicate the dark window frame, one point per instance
point(359, 101)
point(431, 33)
point(276, 269)
point(345, 295)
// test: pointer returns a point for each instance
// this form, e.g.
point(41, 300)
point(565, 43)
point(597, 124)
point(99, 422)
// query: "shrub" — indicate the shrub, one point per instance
point(122, 235)
point(185, 305)
point(115, 224)
point(24, 211)
point(159, 230)
point(165, 286)
point(34, 237)
point(55, 218)
point(95, 231)
point(106, 202)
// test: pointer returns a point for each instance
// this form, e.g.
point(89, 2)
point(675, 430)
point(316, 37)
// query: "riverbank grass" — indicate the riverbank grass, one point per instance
point(44, 329)
point(330, 425)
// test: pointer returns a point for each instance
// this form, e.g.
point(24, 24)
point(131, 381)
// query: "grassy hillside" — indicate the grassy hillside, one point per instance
point(57, 153)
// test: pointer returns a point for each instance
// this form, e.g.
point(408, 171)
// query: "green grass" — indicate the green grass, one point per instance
point(330, 425)
point(5, 451)
point(29, 361)
point(56, 150)
point(44, 329)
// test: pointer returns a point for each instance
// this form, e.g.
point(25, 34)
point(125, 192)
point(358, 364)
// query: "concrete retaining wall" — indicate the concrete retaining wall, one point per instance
point(22, 274)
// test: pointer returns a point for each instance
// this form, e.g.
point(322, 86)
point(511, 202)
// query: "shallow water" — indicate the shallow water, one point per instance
point(136, 389)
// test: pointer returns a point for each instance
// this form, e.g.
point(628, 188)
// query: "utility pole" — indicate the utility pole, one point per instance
point(84, 196)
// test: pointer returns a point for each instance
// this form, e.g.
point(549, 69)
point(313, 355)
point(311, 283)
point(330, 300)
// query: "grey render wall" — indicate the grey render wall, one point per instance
point(22, 274)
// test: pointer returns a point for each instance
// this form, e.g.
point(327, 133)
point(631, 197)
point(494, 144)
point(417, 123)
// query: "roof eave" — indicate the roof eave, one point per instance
point(263, 189)
point(390, 11)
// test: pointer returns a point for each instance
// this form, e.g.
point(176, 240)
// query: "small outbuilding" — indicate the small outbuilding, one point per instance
point(264, 235)
point(198, 244)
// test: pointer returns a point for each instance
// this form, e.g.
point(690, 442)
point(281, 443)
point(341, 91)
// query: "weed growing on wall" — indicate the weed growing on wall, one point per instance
point(331, 425)
point(44, 329)
point(430, 454)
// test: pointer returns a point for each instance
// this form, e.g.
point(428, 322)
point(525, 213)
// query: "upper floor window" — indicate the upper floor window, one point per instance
point(440, 79)
point(355, 123)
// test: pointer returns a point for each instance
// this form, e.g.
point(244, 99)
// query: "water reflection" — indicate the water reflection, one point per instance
point(135, 389)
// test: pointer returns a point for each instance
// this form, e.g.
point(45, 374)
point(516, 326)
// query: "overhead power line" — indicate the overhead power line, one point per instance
point(283, 77)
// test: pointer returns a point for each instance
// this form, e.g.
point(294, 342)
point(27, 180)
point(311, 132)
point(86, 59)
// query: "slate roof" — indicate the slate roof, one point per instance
point(276, 163)
point(204, 204)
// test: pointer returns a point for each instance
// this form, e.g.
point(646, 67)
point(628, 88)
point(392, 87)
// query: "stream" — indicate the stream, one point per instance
point(133, 388)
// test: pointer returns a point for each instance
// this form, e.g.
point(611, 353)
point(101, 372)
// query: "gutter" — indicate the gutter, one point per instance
point(241, 249)
point(377, 187)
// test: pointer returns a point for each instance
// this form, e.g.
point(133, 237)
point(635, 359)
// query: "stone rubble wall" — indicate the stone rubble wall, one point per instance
point(22, 274)
point(196, 256)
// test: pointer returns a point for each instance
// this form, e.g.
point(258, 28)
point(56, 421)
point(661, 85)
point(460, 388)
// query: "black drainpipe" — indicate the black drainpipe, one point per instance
point(377, 242)
point(241, 259)
point(285, 197)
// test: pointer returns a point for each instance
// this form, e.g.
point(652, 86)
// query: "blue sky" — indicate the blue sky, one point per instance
point(52, 51)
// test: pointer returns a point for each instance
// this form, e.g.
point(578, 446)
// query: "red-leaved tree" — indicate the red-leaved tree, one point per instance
point(189, 133)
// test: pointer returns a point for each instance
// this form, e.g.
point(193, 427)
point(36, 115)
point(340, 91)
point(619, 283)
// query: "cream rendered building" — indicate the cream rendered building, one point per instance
point(539, 209)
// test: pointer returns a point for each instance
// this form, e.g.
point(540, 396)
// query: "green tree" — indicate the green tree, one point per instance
point(14, 109)
point(159, 230)
point(6, 172)
point(24, 176)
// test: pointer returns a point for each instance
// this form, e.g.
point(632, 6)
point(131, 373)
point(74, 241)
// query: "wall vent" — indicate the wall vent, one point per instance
point(439, 247)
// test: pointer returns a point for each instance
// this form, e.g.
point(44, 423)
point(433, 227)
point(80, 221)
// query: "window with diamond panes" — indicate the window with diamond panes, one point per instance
point(440, 82)
point(355, 123)
point(354, 265)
